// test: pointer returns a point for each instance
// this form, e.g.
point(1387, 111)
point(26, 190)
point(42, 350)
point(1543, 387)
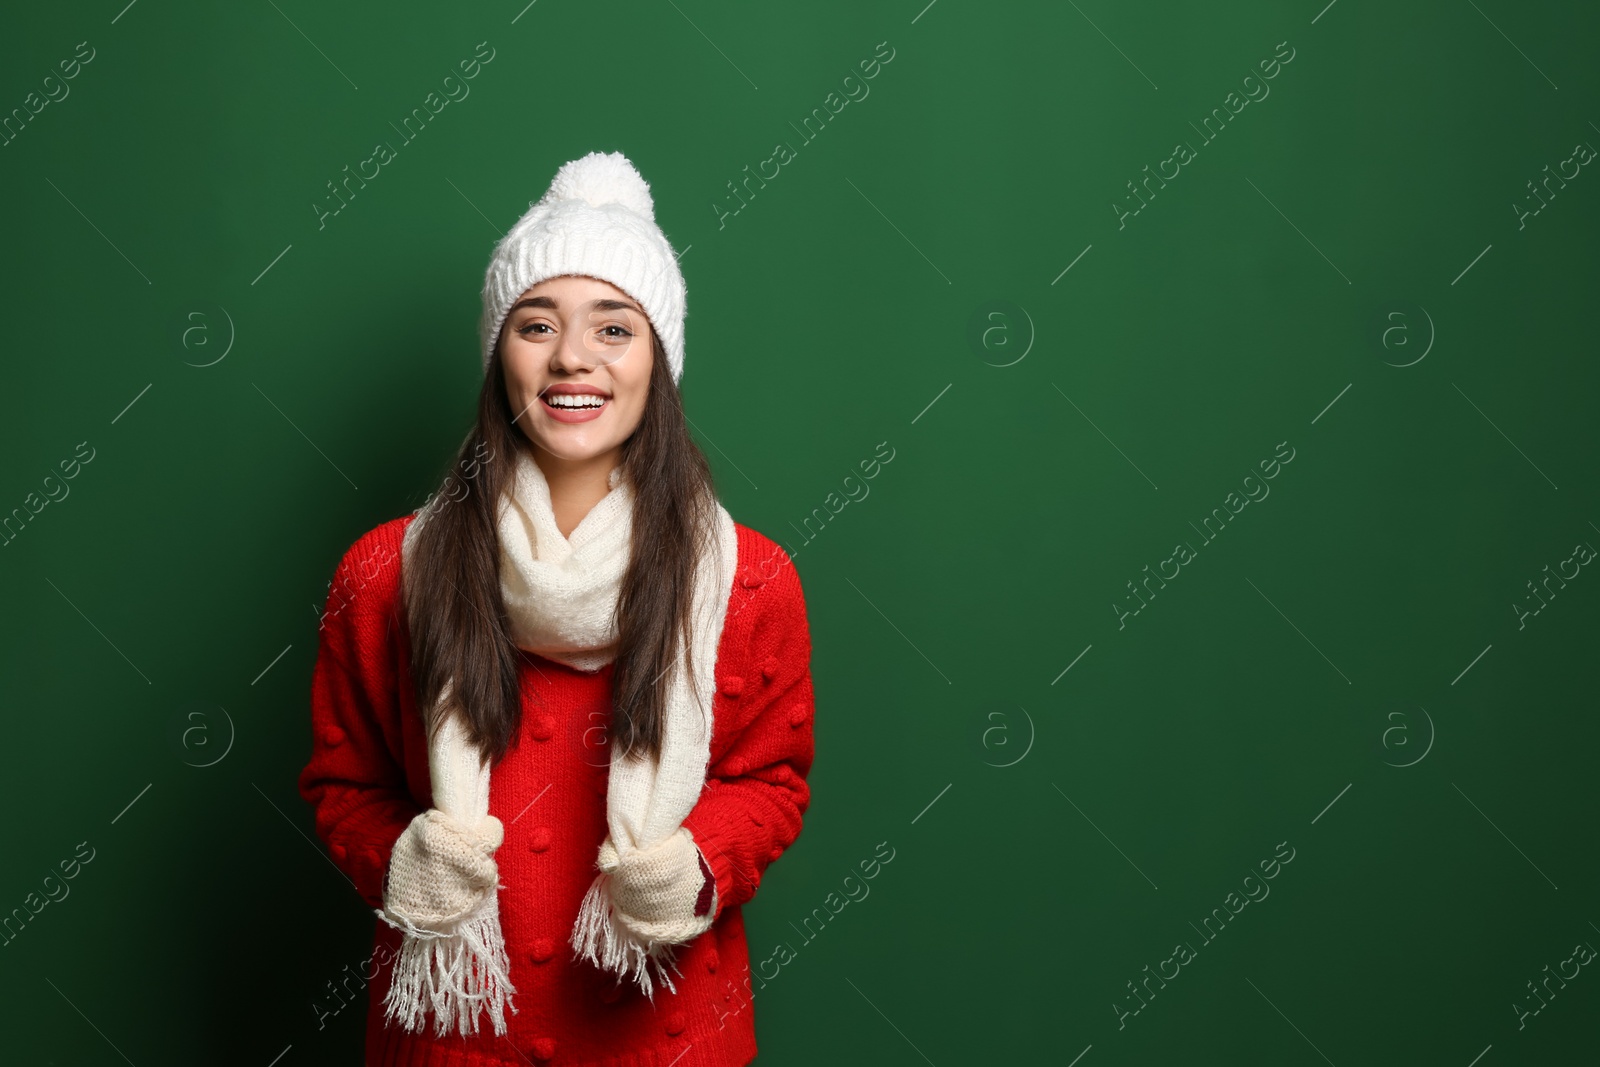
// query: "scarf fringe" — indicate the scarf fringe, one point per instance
point(599, 938)
point(456, 973)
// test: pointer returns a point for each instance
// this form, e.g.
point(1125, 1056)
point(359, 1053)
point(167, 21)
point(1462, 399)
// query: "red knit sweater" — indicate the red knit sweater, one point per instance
point(368, 777)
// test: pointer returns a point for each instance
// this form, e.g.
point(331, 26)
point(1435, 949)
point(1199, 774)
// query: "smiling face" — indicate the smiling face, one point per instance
point(577, 354)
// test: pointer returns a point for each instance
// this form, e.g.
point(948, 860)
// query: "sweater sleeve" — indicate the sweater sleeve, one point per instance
point(353, 781)
point(755, 795)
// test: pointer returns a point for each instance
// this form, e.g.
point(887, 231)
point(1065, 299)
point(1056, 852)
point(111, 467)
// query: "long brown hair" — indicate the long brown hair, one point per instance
point(451, 581)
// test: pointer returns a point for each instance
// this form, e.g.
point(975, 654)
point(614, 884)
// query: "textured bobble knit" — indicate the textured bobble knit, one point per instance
point(367, 779)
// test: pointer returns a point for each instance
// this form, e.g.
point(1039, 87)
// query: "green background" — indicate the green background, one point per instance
point(1055, 830)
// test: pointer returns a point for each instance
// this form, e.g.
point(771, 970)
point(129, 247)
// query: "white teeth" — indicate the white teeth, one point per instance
point(574, 400)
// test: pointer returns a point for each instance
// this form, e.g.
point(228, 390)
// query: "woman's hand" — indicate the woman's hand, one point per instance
point(656, 891)
point(440, 871)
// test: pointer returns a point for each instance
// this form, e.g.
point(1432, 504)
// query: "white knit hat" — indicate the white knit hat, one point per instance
point(597, 218)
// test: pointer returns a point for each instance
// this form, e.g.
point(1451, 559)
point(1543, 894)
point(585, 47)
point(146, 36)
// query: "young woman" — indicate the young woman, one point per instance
point(562, 715)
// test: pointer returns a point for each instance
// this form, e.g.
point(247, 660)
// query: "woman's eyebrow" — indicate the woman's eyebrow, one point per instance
point(614, 305)
point(550, 303)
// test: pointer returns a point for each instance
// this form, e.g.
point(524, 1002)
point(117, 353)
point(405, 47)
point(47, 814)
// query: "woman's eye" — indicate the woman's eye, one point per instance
point(531, 326)
point(622, 331)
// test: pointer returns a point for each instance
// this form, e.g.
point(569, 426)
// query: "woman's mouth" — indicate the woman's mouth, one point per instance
point(574, 407)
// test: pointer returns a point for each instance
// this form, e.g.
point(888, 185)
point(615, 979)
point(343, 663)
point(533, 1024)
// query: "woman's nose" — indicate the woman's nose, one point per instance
point(577, 349)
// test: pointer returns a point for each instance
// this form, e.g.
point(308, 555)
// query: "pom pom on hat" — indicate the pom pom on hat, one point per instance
point(597, 218)
point(600, 179)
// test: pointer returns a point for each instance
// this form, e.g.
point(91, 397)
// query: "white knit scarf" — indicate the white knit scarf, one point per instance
point(560, 596)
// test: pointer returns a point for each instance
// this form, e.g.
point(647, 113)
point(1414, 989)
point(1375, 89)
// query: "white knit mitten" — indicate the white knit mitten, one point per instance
point(439, 871)
point(655, 890)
